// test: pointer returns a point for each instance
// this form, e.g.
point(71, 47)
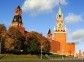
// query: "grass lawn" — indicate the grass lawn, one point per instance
point(32, 58)
point(55, 56)
point(21, 58)
point(10, 57)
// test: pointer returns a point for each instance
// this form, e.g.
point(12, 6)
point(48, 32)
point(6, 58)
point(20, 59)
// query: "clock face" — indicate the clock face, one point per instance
point(60, 25)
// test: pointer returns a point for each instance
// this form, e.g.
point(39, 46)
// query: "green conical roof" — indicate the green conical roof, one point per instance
point(60, 11)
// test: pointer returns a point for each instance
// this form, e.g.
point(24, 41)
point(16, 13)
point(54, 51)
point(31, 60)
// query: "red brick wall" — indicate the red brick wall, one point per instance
point(70, 48)
point(61, 38)
point(55, 46)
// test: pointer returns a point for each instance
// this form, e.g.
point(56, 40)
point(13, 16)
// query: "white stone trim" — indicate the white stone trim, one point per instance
point(53, 53)
point(59, 32)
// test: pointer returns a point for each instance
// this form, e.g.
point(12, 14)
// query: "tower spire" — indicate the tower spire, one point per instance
point(17, 16)
point(49, 35)
point(60, 24)
point(17, 20)
point(60, 10)
point(49, 32)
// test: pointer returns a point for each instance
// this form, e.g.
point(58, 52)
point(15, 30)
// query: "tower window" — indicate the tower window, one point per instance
point(59, 15)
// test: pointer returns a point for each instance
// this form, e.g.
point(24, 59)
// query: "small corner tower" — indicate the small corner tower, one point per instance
point(49, 35)
point(17, 20)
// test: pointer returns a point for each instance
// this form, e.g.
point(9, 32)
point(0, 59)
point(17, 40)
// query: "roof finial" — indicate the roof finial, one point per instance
point(59, 3)
point(18, 6)
point(59, 11)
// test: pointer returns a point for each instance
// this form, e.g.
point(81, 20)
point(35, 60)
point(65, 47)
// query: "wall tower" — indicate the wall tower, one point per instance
point(49, 35)
point(17, 20)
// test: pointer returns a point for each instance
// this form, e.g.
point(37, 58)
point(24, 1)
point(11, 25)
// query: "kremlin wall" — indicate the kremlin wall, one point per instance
point(58, 40)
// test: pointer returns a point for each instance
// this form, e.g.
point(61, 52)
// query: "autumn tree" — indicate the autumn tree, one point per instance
point(45, 43)
point(2, 32)
point(37, 40)
point(32, 44)
point(14, 41)
point(17, 38)
point(7, 42)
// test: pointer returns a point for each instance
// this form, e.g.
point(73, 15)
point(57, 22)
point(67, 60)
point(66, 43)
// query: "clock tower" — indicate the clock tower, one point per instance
point(60, 32)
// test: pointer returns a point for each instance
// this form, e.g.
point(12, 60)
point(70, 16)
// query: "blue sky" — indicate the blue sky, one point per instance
point(40, 15)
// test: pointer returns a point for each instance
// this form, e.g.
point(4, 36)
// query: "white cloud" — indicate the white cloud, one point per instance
point(72, 18)
point(78, 36)
point(37, 6)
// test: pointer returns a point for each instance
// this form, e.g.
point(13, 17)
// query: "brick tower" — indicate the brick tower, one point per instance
point(60, 32)
point(17, 20)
